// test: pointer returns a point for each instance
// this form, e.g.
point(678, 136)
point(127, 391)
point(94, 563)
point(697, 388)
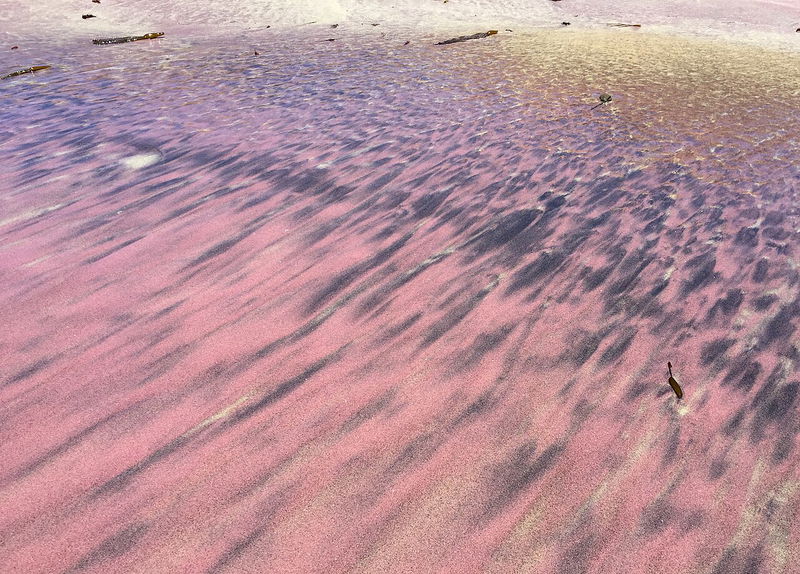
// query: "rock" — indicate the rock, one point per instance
point(604, 99)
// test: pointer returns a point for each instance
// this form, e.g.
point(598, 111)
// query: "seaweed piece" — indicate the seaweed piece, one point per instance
point(618, 25)
point(673, 383)
point(124, 39)
point(30, 70)
point(96, 1)
point(465, 38)
point(85, 16)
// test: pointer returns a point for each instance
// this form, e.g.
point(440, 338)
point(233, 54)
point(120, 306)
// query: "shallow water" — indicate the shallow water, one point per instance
point(360, 305)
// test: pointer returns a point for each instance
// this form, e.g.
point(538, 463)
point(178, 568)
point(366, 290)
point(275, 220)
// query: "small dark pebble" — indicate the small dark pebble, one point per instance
point(334, 25)
point(604, 99)
point(96, 1)
point(330, 40)
point(85, 16)
point(255, 52)
point(14, 47)
point(376, 24)
point(509, 30)
point(565, 23)
point(407, 42)
point(798, 30)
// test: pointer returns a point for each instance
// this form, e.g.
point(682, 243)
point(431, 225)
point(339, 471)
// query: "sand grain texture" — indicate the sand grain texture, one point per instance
point(360, 306)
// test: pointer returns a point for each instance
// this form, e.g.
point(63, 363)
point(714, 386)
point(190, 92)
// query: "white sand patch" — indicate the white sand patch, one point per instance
point(141, 160)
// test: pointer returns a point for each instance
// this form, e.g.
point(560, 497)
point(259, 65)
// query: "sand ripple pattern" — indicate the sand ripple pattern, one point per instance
point(360, 306)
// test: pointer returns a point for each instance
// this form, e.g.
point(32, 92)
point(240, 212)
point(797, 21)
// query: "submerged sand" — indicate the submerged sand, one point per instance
point(368, 306)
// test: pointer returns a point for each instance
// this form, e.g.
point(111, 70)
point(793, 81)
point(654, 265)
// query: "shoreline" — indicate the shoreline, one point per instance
point(768, 24)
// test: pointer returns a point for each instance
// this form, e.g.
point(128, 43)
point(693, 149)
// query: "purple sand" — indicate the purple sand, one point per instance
point(373, 307)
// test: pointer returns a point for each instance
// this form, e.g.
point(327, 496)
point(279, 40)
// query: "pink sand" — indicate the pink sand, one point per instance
point(369, 306)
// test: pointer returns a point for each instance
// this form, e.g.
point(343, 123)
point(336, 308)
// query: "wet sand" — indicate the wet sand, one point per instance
point(361, 306)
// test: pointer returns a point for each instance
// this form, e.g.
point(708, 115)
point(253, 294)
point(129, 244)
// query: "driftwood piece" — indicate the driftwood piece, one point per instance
point(124, 39)
point(30, 70)
point(465, 38)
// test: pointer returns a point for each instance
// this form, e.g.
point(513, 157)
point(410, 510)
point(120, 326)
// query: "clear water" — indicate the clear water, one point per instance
point(365, 305)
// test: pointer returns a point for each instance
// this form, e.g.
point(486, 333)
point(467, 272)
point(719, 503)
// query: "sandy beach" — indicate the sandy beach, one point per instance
point(765, 22)
point(293, 288)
